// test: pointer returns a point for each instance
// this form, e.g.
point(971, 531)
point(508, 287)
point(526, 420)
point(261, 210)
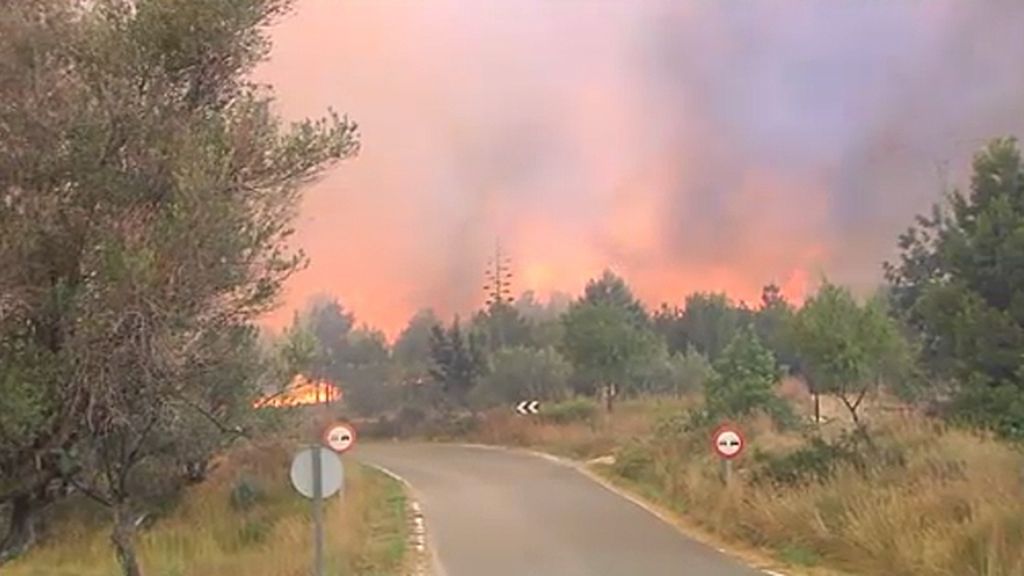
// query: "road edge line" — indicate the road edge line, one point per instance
point(638, 501)
point(427, 561)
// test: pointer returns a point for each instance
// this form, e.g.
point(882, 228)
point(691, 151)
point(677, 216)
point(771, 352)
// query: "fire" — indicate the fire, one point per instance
point(302, 392)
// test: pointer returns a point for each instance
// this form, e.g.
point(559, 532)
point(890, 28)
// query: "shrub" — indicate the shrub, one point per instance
point(635, 462)
point(246, 493)
point(575, 410)
point(814, 462)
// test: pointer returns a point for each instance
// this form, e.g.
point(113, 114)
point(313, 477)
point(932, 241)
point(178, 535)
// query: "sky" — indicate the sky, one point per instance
point(688, 146)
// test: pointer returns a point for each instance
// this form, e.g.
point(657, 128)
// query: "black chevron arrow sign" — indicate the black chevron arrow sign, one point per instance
point(528, 407)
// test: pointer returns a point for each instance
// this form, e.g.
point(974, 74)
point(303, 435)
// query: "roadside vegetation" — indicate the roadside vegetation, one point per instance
point(245, 519)
point(147, 194)
point(925, 498)
point(147, 201)
point(885, 430)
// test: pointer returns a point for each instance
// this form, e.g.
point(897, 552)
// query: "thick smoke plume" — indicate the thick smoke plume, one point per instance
point(689, 146)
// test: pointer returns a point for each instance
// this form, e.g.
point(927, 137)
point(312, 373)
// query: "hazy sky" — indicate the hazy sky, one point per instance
point(699, 145)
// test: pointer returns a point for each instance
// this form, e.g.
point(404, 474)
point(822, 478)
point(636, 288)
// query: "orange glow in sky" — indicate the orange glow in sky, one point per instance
point(671, 143)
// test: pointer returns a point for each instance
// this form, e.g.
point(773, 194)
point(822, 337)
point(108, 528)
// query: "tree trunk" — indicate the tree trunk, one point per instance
point(123, 539)
point(21, 528)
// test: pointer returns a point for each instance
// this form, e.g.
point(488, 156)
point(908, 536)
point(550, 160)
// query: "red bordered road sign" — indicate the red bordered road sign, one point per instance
point(340, 437)
point(727, 441)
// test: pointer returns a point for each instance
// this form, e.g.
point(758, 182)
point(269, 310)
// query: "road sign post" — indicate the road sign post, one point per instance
point(318, 512)
point(727, 442)
point(317, 475)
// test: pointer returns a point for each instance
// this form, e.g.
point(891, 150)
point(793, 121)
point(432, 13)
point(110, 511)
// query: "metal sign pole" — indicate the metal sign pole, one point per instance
point(726, 470)
point(318, 513)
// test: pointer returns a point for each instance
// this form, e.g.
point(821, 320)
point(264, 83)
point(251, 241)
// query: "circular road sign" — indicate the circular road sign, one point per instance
point(332, 474)
point(340, 437)
point(728, 441)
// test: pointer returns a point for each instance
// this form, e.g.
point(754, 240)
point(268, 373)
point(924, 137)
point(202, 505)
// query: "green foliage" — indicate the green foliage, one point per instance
point(799, 555)
point(773, 324)
point(329, 324)
point(612, 291)
point(569, 411)
point(502, 326)
point(744, 380)
point(846, 348)
point(146, 203)
point(815, 462)
point(634, 461)
point(960, 284)
point(527, 374)
point(412, 347)
point(711, 322)
point(246, 493)
point(606, 336)
point(458, 362)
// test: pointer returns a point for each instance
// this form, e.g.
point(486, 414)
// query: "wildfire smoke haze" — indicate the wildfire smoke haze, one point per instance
point(688, 146)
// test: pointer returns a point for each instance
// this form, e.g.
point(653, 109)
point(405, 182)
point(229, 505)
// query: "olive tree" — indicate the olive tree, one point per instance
point(146, 198)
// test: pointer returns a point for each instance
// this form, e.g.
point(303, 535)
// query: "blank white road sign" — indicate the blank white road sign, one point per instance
point(332, 473)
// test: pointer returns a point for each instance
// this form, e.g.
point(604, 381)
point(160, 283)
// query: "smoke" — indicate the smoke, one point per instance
point(688, 146)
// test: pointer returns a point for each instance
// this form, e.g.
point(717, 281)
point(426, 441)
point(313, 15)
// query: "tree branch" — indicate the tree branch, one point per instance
point(223, 428)
point(90, 493)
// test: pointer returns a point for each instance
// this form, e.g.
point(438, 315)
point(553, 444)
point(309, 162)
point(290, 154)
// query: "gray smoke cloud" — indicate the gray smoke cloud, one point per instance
point(690, 146)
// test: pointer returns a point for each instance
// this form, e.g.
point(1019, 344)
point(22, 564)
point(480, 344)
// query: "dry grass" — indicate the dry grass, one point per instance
point(205, 535)
point(954, 507)
point(599, 436)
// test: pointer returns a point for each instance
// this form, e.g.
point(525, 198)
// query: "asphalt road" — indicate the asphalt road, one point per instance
point(502, 513)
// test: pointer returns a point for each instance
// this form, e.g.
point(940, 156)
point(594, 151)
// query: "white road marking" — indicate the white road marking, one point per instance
point(419, 536)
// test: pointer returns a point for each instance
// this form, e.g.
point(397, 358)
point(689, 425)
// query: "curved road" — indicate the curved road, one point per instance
point(503, 513)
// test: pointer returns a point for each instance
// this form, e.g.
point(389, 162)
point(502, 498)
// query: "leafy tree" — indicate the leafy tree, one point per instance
point(535, 311)
point(522, 373)
point(458, 362)
point(846, 348)
point(960, 284)
point(547, 333)
point(366, 346)
point(368, 375)
point(772, 323)
point(412, 347)
point(146, 198)
point(670, 323)
point(612, 291)
point(744, 379)
point(604, 341)
point(330, 324)
point(710, 322)
point(663, 373)
point(501, 325)
point(691, 371)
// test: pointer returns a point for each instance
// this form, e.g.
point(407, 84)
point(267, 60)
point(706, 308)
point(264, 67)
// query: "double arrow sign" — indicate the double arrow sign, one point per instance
point(528, 407)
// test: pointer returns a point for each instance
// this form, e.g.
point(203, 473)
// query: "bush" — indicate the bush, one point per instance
point(814, 462)
point(575, 410)
point(635, 462)
point(246, 493)
point(819, 459)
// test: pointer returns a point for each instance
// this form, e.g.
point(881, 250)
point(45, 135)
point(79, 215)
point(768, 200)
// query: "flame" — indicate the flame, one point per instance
point(301, 392)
